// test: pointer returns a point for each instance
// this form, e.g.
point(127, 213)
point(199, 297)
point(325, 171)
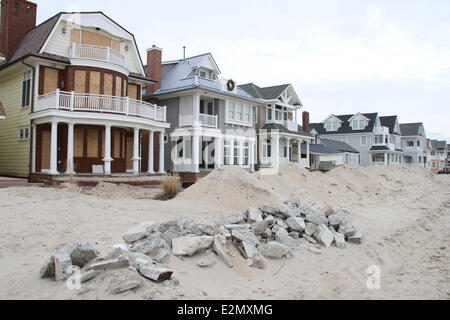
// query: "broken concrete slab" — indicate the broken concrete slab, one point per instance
point(190, 226)
point(122, 285)
point(347, 229)
point(267, 233)
point(209, 228)
point(357, 237)
point(108, 264)
point(270, 209)
point(339, 239)
point(148, 246)
point(170, 234)
point(140, 231)
point(219, 248)
point(338, 218)
point(154, 272)
point(254, 214)
point(274, 250)
point(317, 217)
point(260, 226)
point(88, 275)
point(237, 226)
point(247, 236)
point(82, 253)
point(188, 246)
point(253, 256)
point(63, 263)
point(310, 229)
point(324, 236)
point(296, 224)
point(310, 239)
point(224, 232)
point(176, 224)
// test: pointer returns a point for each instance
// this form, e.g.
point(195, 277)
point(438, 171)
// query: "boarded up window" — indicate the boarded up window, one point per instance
point(94, 82)
point(80, 81)
point(45, 155)
point(95, 39)
point(115, 45)
point(132, 91)
point(78, 136)
point(92, 143)
point(75, 36)
point(118, 86)
point(50, 80)
point(108, 84)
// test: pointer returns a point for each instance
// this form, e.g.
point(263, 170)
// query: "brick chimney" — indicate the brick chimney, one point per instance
point(305, 121)
point(153, 69)
point(17, 18)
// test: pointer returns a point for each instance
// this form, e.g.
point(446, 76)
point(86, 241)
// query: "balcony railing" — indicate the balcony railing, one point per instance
point(71, 101)
point(205, 120)
point(288, 124)
point(107, 54)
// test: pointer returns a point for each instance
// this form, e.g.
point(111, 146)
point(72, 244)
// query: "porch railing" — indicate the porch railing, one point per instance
point(72, 101)
point(205, 120)
point(107, 54)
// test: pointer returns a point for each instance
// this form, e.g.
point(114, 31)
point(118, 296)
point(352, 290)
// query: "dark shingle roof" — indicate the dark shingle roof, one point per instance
point(266, 93)
point(338, 145)
point(410, 129)
point(33, 41)
point(438, 144)
point(282, 129)
point(379, 148)
point(320, 149)
point(389, 121)
point(345, 127)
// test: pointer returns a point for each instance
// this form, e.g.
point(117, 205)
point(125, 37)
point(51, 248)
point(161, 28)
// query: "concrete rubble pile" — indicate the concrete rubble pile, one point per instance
point(269, 232)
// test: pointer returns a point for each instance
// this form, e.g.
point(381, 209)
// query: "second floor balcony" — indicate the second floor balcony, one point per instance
point(205, 120)
point(288, 124)
point(105, 54)
point(72, 101)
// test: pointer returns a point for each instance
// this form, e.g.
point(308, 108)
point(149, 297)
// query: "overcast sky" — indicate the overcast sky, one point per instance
point(391, 57)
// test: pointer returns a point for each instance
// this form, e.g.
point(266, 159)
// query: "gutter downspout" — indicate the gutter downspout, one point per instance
point(32, 109)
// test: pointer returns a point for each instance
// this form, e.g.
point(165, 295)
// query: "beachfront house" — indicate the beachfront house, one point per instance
point(279, 133)
point(71, 87)
point(212, 119)
point(350, 156)
point(415, 145)
point(375, 138)
point(438, 155)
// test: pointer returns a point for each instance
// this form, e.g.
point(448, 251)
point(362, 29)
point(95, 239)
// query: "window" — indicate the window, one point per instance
point(236, 153)
point(24, 133)
point(227, 159)
point(255, 115)
point(231, 109)
point(410, 143)
point(26, 89)
point(245, 153)
point(418, 143)
point(266, 149)
point(203, 74)
point(269, 114)
point(247, 113)
point(363, 140)
point(239, 112)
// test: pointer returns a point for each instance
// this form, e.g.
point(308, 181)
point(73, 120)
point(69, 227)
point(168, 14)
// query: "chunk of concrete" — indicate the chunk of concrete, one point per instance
point(310, 239)
point(339, 239)
point(149, 246)
point(169, 235)
point(338, 218)
point(317, 217)
point(109, 264)
point(296, 224)
point(267, 233)
point(274, 250)
point(188, 246)
point(347, 229)
point(324, 236)
point(140, 231)
point(176, 224)
point(254, 214)
point(260, 226)
point(310, 229)
point(270, 209)
point(82, 253)
point(209, 228)
point(88, 275)
point(224, 232)
point(160, 255)
point(253, 256)
point(219, 248)
point(357, 237)
point(122, 285)
point(247, 236)
point(190, 226)
point(63, 264)
point(156, 273)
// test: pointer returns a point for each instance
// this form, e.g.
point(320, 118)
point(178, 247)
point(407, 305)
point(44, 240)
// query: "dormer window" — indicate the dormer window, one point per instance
point(202, 74)
point(331, 126)
point(358, 124)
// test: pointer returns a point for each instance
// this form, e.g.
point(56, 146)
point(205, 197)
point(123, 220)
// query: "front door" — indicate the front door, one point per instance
point(210, 154)
point(62, 148)
point(118, 150)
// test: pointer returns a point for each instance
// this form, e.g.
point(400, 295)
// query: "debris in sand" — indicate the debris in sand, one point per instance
point(141, 231)
point(188, 246)
point(357, 237)
point(206, 262)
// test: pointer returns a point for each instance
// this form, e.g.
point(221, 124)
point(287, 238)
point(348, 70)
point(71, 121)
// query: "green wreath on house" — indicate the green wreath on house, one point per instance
point(230, 85)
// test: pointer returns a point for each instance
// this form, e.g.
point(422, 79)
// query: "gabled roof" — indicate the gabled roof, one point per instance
point(316, 148)
point(282, 129)
point(338, 145)
point(267, 93)
point(345, 127)
point(389, 122)
point(176, 76)
point(411, 129)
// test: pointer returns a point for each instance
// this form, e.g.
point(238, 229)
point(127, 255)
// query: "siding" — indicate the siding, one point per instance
point(14, 154)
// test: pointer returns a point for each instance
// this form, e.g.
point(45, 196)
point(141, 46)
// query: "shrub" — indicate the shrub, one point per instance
point(170, 187)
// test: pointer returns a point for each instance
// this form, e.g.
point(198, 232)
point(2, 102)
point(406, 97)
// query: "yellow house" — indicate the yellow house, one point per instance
point(72, 91)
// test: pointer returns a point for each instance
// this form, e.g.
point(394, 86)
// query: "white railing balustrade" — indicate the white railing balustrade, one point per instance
point(107, 54)
point(205, 120)
point(72, 101)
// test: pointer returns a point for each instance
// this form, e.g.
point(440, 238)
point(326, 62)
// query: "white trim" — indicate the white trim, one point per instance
point(334, 117)
point(358, 114)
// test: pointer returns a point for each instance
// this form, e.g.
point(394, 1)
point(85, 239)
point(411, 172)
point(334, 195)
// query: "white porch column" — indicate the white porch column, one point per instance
point(307, 154)
point(136, 157)
point(251, 155)
point(275, 142)
point(218, 152)
point(107, 160)
point(54, 149)
point(70, 168)
point(161, 153)
point(288, 149)
point(150, 153)
point(196, 152)
point(196, 106)
point(385, 159)
point(299, 151)
point(33, 149)
point(241, 152)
